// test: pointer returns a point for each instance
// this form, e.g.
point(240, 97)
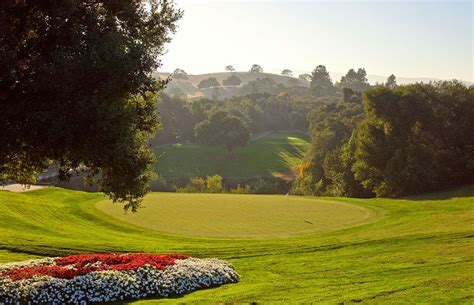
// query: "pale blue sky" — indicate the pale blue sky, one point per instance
point(407, 38)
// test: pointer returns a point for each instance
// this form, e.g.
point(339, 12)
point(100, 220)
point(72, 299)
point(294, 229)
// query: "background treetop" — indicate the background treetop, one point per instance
point(256, 68)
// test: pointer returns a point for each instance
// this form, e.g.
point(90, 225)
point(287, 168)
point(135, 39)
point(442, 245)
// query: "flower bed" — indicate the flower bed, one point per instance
point(89, 278)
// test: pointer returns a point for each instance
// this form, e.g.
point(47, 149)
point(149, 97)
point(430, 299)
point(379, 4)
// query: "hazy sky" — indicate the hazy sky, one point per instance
point(407, 38)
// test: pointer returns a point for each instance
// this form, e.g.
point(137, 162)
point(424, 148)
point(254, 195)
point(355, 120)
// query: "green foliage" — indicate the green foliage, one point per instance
point(232, 80)
point(180, 74)
point(287, 72)
point(208, 83)
point(241, 190)
point(178, 118)
point(416, 138)
point(160, 184)
point(223, 129)
point(337, 167)
point(356, 81)
point(262, 85)
point(271, 155)
point(230, 68)
point(266, 106)
point(391, 81)
point(351, 96)
point(214, 184)
point(195, 185)
point(64, 97)
point(410, 139)
point(330, 161)
point(321, 83)
point(256, 69)
point(266, 186)
point(306, 77)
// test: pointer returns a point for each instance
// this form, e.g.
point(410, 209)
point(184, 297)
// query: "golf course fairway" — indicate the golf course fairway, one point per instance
point(241, 216)
point(418, 249)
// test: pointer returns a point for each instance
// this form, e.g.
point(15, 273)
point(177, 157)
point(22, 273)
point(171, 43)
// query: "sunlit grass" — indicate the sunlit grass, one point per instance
point(273, 155)
point(420, 251)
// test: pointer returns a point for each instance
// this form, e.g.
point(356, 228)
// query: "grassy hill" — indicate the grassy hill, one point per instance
point(277, 154)
point(189, 86)
point(417, 250)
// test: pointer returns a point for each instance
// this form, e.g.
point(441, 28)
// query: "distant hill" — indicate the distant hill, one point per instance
point(373, 79)
point(189, 86)
point(190, 89)
point(272, 155)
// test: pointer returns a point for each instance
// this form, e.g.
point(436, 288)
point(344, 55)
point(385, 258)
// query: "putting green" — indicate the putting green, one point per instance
point(241, 216)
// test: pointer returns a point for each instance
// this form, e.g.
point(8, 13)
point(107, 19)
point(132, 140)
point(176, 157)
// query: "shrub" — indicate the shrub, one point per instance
point(214, 184)
point(241, 190)
point(159, 184)
point(195, 185)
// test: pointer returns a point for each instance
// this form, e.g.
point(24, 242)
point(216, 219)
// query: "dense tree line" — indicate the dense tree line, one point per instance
point(259, 112)
point(400, 140)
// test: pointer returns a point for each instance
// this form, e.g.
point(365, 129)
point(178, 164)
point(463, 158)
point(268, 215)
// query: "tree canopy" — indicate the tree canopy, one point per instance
point(306, 77)
point(232, 80)
point(400, 140)
point(416, 138)
point(230, 68)
point(356, 81)
point(208, 82)
point(391, 81)
point(224, 129)
point(179, 73)
point(287, 72)
point(76, 89)
point(321, 83)
point(256, 69)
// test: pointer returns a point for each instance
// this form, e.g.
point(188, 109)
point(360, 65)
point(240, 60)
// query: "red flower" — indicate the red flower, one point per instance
point(75, 265)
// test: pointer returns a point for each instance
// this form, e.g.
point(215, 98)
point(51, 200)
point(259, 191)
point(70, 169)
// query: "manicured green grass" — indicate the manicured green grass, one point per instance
point(274, 155)
point(244, 216)
point(420, 251)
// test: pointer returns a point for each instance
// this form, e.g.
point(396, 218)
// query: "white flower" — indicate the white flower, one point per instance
point(103, 286)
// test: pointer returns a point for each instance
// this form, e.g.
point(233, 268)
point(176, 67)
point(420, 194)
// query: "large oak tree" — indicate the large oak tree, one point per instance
point(76, 89)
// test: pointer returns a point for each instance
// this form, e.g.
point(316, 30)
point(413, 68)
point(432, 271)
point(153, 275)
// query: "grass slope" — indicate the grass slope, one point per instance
point(245, 77)
point(189, 86)
point(274, 155)
point(244, 216)
point(421, 251)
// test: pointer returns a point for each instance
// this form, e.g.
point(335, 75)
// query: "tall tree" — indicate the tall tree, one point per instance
point(391, 81)
point(321, 83)
point(256, 69)
point(329, 157)
point(224, 129)
point(287, 72)
point(356, 81)
point(76, 88)
point(416, 138)
point(179, 73)
point(229, 68)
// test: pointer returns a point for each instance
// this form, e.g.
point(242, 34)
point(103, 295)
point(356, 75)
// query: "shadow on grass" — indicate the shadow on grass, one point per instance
point(465, 191)
point(157, 298)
